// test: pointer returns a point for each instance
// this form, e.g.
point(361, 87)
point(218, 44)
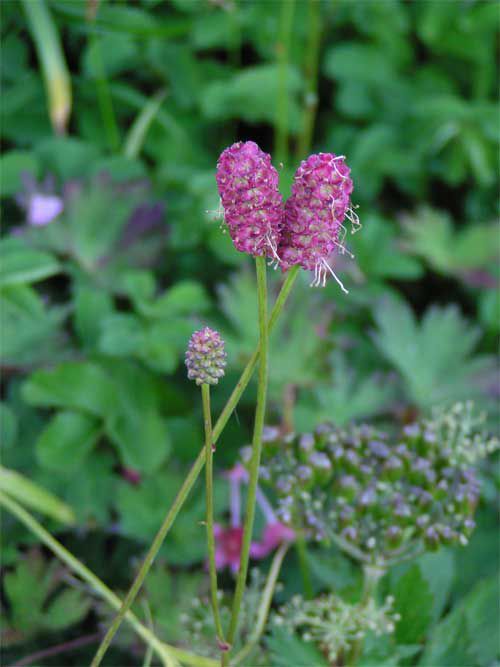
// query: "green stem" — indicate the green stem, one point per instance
point(283, 47)
point(371, 576)
point(169, 655)
point(301, 548)
point(311, 79)
point(104, 98)
point(197, 466)
point(265, 604)
point(253, 473)
point(209, 456)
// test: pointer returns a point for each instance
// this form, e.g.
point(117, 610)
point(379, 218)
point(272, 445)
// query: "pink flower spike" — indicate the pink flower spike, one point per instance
point(314, 215)
point(253, 206)
point(274, 535)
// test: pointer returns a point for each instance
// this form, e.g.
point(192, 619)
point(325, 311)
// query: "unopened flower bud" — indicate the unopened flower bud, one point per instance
point(205, 357)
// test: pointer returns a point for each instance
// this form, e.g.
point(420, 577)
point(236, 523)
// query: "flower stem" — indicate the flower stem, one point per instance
point(311, 79)
point(209, 455)
point(301, 548)
point(169, 655)
point(371, 576)
point(197, 466)
point(265, 604)
point(283, 48)
point(253, 477)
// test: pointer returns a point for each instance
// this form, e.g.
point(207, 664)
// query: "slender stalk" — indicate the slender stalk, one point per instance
point(197, 466)
point(371, 576)
point(104, 98)
point(52, 651)
point(301, 548)
point(209, 455)
point(253, 473)
point(169, 655)
point(283, 47)
point(311, 79)
point(265, 604)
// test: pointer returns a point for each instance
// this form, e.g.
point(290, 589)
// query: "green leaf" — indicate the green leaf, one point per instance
point(67, 440)
point(12, 166)
point(69, 607)
point(286, 649)
point(34, 496)
point(9, 426)
point(439, 571)
point(184, 298)
point(349, 395)
point(135, 424)
point(252, 94)
point(434, 357)
point(413, 601)
point(76, 385)
point(122, 335)
point(430, 234)
point(91, 307)
point(21, 264)
point(29, 330)
point(26, 588)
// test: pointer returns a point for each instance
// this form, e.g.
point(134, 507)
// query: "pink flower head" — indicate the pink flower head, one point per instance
point(274, 535)
point(314, 214)
point(228, 543)
point(253, 206)
point(205, 357)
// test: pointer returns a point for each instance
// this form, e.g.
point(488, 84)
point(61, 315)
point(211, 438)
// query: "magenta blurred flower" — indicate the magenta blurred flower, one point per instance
point(253, 206)
point(314, 215)
point(228, 541)
point(40, 203)
point(274, 535)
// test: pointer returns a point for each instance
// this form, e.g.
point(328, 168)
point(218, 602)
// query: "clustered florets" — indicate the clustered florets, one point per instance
point(253, 206)
point(205, 357)
point(308, 229)
point(315, 212)
point(335, 625)
point(377, 497)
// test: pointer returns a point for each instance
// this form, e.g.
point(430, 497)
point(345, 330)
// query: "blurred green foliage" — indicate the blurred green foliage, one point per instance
point(97, 306)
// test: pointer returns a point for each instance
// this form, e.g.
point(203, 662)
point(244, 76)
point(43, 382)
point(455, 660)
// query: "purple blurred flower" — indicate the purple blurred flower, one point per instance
point(39, 202)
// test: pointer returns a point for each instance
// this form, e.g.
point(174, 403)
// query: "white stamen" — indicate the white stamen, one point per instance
point(326, 266)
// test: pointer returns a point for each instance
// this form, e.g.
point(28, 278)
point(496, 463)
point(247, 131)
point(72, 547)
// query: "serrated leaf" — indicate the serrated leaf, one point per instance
point(67, 440)
point(413, 601)
point(76, 385)
point(68, 608)
point(434, 357)
point(29, 330)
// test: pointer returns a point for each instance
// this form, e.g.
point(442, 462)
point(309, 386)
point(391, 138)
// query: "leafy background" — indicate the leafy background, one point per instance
point(98, 305)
